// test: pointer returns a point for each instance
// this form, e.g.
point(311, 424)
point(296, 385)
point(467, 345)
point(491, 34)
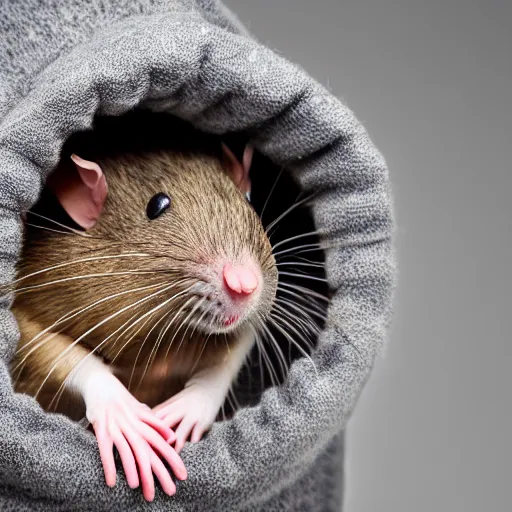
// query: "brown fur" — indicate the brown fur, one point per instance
point(209, 219)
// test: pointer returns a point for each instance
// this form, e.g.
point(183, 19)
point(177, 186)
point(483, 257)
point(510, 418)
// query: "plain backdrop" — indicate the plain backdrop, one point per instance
point(431, 80)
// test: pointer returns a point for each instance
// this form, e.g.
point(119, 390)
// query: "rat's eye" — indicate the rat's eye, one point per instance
point(157, 205)
point(248, 196)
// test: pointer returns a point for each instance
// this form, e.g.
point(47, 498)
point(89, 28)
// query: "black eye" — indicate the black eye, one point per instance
point(157, 205)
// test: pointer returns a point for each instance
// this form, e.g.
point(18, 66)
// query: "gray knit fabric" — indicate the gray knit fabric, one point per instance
point(64, 61)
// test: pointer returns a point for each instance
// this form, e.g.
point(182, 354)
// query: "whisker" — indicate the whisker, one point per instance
point(86, 276)
point(230, 401)
point(153, 351)
point(72, 230)
point(197, 324)
point(304, 251)
point(302, 309)
point(260, 362)
point(191, 299)
point(291, 321)
point(310, 301)
point(334, 244)
point(18, 368)
point(261, 348)
point(166, 327)
point(301, 258)
point(205, 342)
point(305, 323)
point(67, 233)
point(271, 192)
point(61, 389)
point(227, 343)
point(132, 322)
point(298, 264)
point(186, 321)
point(302, 272)
point(303, 289)
point(303, 336)
point(234, 400)
point(314, 246)
point(74, 262)
point(92, 329)
point(276, 323)
point(75, 369)
point(74, 313)
point(155, 325)
point(296, 237)
point(132, 336)
point(274, 378)
point(303, 276)
point(281, 359)
point(289, 210)
point(150, 313)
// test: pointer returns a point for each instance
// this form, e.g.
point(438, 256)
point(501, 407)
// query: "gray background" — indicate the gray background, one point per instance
point(431, 81)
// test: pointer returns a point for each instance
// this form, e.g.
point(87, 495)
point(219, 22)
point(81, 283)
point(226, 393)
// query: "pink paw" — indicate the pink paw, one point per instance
point(194, 409)
point(140, 437)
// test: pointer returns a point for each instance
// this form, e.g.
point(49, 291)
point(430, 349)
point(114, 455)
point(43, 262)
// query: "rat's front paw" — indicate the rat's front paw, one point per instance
point(140, 437)
point(194, 409)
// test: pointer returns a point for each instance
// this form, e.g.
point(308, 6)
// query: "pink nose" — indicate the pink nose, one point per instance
point(240, 279)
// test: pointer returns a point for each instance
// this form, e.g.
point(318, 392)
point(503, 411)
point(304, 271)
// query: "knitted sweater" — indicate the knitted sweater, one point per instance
point(64, 61)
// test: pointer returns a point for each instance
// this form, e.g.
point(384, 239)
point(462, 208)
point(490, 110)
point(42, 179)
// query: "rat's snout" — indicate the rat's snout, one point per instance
point(239, 280)
point(233, 291)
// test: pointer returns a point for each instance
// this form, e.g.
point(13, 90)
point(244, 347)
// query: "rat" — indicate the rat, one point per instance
point(142, 313)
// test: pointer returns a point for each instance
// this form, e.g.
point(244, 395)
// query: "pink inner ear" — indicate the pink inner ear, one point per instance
point(94, 179)
point(247, 159)
point(239, 171)
point(90, 172)
point(81, 193)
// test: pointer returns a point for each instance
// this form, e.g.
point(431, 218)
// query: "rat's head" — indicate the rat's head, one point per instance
point(186, 225)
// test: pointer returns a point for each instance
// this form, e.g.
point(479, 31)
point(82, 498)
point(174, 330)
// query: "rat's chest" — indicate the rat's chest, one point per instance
point(152, 383)
point(153, 377)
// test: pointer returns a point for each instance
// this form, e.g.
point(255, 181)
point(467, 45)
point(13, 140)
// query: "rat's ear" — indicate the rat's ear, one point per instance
point(239, 172)
point(81, 191)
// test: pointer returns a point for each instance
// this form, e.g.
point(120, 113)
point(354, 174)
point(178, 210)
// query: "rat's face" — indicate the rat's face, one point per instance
point(186, 227)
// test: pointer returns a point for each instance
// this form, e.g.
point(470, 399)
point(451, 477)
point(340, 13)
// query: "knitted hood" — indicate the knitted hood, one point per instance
point(64, 62)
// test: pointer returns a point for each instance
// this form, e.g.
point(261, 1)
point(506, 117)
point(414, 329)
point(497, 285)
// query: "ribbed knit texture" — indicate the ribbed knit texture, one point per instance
point(64, 61)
